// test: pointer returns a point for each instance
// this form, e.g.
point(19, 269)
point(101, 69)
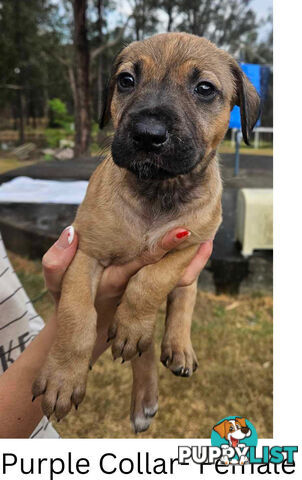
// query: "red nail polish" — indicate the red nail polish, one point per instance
point(185, 233)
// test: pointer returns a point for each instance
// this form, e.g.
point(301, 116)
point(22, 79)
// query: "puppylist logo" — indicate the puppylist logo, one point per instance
point(234, 435)
point(233, 447)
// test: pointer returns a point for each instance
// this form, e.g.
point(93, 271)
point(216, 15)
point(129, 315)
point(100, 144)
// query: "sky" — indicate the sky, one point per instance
point(262, 8)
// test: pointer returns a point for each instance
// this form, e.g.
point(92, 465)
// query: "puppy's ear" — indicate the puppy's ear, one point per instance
point(106, 103)
point(247, 98)
point(108, 94)
point(241, 421)
point(220, 429)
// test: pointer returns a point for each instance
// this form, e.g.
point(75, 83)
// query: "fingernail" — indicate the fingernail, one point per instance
point(184, 233)
point(66, 237)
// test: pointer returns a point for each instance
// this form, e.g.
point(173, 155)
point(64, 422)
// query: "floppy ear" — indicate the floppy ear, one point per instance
point(247, 98)
point(220, 429)
point(241, 421)
point(108, 94)
point(106, 103)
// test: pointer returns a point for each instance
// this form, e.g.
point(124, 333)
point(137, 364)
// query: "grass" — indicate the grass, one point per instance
point(232, 337)
point(266, 148)
point(9, 163)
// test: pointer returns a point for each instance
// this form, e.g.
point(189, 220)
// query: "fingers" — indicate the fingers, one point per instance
point(115, 278)
point(197, 264)
point(171, 240)
point(57, 259)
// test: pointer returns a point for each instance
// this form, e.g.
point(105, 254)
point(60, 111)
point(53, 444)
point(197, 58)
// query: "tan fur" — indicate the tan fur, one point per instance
point(115, 225)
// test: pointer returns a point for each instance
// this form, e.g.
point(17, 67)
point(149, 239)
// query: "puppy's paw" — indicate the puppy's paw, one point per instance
point(179, 357)
point(144, 406)
point(130, 335)
point(61, 386)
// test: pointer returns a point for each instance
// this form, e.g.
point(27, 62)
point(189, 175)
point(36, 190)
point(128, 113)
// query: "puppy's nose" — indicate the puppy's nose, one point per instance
point(245, 429)
point(150, 132)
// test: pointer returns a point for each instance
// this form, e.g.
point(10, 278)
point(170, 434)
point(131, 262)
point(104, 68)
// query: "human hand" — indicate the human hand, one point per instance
point(115, 277)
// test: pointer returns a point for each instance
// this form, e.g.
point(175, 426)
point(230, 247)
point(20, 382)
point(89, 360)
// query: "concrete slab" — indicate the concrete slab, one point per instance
point(255, 171)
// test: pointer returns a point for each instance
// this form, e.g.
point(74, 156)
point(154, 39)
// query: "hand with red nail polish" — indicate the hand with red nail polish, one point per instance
point(115, 277)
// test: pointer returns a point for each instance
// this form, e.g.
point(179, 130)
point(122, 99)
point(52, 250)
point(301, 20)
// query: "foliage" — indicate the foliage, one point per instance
point(37, 50)
point(54, 135)
point(58, 116)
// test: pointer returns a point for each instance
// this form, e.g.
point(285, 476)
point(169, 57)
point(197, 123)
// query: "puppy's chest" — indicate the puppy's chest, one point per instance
point(116, 230)
point(123, 235)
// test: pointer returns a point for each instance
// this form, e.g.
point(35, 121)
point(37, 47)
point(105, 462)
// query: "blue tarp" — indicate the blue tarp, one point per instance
point(254, 73)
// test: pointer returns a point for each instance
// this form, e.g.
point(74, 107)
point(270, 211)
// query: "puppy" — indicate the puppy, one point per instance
point(169, 98)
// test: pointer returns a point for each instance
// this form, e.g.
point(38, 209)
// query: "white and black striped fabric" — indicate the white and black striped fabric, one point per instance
point(19, 324)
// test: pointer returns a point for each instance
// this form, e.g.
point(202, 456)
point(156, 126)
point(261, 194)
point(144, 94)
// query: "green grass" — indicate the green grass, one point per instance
point(266, 148)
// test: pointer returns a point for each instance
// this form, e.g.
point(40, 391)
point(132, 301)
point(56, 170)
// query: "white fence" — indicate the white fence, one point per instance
point(257, 131)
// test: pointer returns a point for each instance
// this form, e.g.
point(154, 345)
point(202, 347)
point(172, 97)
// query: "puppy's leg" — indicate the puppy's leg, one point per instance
point(62, 379)
point(133, 325)
point(176, 351)
point(144, 371)
point(144, 391)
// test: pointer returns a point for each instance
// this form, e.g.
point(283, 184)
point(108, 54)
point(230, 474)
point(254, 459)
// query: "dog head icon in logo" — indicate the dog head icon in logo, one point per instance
point(235, 432)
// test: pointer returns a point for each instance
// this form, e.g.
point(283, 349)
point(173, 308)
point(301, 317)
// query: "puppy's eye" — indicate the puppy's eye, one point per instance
point(125, 81)
point(205, 90)
point(231, 429)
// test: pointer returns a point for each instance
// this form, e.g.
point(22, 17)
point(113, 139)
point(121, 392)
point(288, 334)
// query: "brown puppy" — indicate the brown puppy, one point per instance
point(170, 98)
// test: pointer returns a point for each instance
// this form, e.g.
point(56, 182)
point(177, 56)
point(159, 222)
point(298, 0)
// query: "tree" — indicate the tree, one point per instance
point(82, 87)
point(27, 74)
point(144, 15)
point(225, 22)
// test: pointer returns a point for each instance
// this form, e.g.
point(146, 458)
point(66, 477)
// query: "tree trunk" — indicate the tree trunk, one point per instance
point(100, 59)
point(170, 19)
point(82, 104)
point(21, 101)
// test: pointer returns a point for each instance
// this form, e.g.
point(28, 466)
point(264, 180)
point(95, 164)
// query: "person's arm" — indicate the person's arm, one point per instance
point(18, 414)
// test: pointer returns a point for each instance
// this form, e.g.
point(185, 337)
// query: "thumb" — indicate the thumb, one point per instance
point(57, 259)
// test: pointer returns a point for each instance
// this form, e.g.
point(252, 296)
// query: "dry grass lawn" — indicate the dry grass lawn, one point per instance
point(10, 163)
point(233, 339)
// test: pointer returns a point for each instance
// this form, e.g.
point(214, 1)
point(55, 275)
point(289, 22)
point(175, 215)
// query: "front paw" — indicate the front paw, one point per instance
point(130, 334)
point(62, 385)
point(179, 357)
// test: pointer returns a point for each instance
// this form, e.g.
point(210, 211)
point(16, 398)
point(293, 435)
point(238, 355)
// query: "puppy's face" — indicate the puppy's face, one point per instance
point(170, 98)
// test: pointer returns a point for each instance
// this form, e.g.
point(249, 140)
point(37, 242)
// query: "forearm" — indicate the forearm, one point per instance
point(18, 414)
